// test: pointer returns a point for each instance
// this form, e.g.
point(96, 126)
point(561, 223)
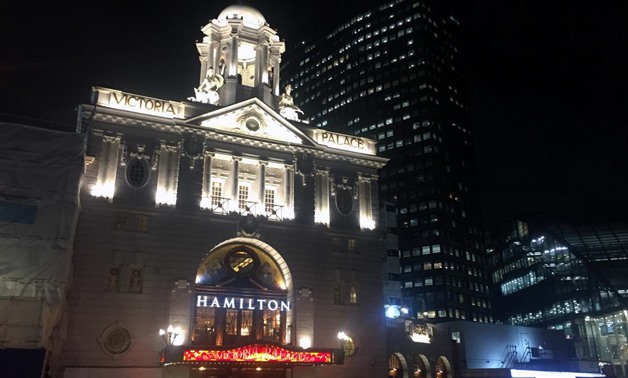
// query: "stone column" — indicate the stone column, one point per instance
point(232, 68)
point(276, 68)
point(288, 191)
point(206, 195)
point(108, 169)
point(321, 195)
point(261, 182)
point(305, 317)
point(235, 168)
point(168, 175)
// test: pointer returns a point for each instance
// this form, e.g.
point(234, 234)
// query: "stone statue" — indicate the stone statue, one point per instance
point(207, 92)
point(286, 106)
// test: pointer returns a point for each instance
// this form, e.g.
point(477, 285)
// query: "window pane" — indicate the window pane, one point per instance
point(231, 324)
point(247, 323)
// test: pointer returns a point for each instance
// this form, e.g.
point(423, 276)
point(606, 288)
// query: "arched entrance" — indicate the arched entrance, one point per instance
point(243, 293)
point(423, 368)
point(397, 366)
point(443, 368)
point(242, 318)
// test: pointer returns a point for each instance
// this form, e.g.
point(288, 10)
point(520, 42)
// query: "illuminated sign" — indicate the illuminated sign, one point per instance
point(344, 142)
point(259, 353)
point(139, 104)
point(241, 303)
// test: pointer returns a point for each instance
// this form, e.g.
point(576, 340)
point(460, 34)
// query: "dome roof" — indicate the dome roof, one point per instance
point(248, 14)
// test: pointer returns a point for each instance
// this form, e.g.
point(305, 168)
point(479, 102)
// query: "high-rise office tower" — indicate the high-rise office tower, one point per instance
point(395, 73)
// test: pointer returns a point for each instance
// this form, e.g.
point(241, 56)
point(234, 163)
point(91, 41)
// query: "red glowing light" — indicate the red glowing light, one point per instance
point(257, 353)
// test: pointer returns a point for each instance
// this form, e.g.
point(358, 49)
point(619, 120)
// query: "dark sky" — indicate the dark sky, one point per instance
point(548, 82)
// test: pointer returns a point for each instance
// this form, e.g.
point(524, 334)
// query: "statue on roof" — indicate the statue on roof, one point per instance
point(207, 92)
point(286, 106)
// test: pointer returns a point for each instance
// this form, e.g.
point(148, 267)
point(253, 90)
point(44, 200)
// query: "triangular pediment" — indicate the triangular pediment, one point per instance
point(254, 119)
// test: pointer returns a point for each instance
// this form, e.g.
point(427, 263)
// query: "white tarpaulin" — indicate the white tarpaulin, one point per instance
point(40, 173)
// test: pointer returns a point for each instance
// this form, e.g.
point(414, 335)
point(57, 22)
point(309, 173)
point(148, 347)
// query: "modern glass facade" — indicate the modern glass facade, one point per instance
point(395, 73)
point(567, 275)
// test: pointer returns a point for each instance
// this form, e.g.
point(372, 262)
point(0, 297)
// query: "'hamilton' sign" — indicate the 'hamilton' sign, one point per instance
point(242, 303)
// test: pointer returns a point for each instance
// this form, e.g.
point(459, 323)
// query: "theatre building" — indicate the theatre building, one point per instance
point(249, 238)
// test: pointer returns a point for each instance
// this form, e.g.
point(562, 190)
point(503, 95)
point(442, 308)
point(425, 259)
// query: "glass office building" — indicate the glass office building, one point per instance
point(395, 73)
point(568, 275)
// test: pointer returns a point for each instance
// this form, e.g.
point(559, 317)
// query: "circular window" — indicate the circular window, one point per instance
point(252, 124)
point(137, 172)
point(242, 261)
point(116, 340)
point(344, 201)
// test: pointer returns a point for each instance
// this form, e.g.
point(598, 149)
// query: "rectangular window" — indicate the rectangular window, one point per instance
point(142, 223)
point(243, 196)
point(351, 245)
point(120, 222)
point(269, 200)
point(336, 244)
point(231, 322)
point(216, 192)
point(204, 327)
point(353, 296)
point(247, 323)
point(272, 323)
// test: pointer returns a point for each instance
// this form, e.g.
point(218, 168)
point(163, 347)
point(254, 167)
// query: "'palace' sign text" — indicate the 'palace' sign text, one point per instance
point(344, 142)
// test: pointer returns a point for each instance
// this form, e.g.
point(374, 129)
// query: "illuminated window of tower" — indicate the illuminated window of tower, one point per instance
point(246, 64)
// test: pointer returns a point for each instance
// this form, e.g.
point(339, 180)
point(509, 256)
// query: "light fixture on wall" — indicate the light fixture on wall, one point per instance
point(170, 335)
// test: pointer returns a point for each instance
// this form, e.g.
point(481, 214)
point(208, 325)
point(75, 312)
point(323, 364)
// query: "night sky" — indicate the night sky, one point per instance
point(548, 84)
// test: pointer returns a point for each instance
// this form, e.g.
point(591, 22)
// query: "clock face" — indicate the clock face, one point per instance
point(242, 261)
point(344, 201)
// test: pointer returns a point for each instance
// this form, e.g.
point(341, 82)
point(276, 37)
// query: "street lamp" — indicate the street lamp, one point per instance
point(170, 335)
point(342, 336)
point(347, 344)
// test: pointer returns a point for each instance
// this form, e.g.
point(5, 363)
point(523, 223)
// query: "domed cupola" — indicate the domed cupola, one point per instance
point(249, 15)
point(240, 58)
